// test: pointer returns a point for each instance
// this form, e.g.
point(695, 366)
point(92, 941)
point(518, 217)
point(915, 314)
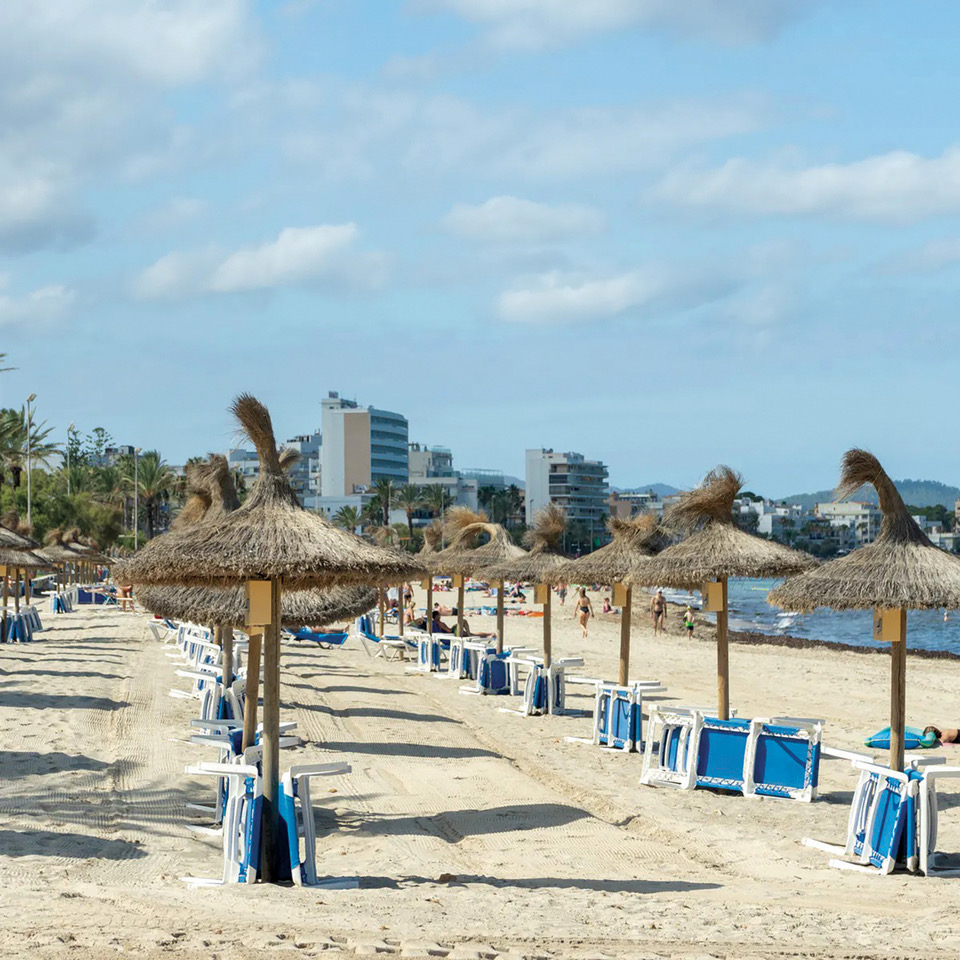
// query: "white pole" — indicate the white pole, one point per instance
point(30, 400)
point(68, 458)
point(136, 499)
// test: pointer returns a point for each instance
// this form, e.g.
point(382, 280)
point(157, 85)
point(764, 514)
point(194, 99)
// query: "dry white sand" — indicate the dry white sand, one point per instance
point(553, 848)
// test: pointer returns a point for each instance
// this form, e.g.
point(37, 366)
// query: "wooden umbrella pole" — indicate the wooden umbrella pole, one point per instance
point(500, 617)
point(6, 594)
point(28, 580)
point(400, 609)
point(252, 694)
point(461, 597)
point(429, 614)
point(16, 590)
point(723, 657)
point(271, 737)
point(382, 609)
point(898, 695)
point(547, 637)
point(626, 616)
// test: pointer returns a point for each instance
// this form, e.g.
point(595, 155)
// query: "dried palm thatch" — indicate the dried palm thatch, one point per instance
point(271, 535)
point(228, 606)
point(22, 559)
point(55, 550)
point(715, 547)
point(11, 539)
point(900, 569)
point(543, 557)
point(198, 498)
point(468, 560)
point(635, 541)
point(432, 537)
point(464, 536)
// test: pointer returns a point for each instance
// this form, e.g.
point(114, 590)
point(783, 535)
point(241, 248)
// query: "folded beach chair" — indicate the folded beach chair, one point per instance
point(162, 630)
point(618, 713)
point(241, 822)
point(544, 689)
point(297, 820)
point(465, 655)
point(390, 648)
point(326, 640)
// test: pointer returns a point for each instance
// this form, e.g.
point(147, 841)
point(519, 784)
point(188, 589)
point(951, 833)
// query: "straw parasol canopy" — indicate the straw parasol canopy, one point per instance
point(635, 540)
point(23, 559)
point(539, 562)
point(537, 566)
point(228, 606)
point(715, 547)
point(11, 540)
point(713, 550)
point(55, 550)
point(901, 570)
point(432, 538)
point(270, 536)
point(210, 485)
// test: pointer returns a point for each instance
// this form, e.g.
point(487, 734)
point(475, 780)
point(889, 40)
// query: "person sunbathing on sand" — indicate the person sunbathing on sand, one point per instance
point(944, 736)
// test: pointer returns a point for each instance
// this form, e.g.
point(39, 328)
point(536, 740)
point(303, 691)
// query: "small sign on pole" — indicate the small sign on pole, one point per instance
point(456, 581)
point(619, 595)
point(712, 593)
point(425, 583)
point(259, 603)
point(540, 593)
point(889, 626)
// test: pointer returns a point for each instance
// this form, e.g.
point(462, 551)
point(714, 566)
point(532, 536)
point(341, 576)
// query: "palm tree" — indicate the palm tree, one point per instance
point(372, 513)
point(3, 357)
point(15, 443)
point(384, 489)
point(348, 518)
point(154, 482)
point(409, 498)
point(437, 498)
point(485, 496)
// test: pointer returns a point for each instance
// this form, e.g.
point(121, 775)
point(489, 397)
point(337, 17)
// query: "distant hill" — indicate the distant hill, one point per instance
point(916, 493)
point(660, 489)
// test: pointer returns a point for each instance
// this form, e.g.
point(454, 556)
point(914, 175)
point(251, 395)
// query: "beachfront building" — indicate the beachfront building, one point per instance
point(245, 467)
point(630, 504)
point(572, 482)
point(361, 445)
point(305, 473)
point(433, 467)
point(861, 518)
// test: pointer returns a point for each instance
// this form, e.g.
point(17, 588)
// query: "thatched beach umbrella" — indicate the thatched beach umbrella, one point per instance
point(15, 538)
point(901, 570)
point(714, 550)
point(432, 544)
point(539, 564)
point(635, 541)
point(15, 560)
point(270, 543)
point(462, 528)
point(478, 561)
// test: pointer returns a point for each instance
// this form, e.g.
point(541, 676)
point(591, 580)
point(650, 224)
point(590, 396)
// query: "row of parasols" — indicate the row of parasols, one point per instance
point(270, 563)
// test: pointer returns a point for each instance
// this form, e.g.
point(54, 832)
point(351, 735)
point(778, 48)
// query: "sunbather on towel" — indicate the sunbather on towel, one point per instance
point(944, 736)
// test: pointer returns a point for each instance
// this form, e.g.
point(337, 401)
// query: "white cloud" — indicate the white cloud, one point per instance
point(898, 187)
point(559, 297)
point(537, 24)
point(513, 220)
point(299, 256)
point(932, 257)
point(351, 131)
point(40, 305)
point(81, 87)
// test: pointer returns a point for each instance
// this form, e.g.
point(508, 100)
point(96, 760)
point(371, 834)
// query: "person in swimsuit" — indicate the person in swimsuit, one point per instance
point(562, 592)
point(658, 612)
point(688, 621)
point(944, 736)
point(584, 611)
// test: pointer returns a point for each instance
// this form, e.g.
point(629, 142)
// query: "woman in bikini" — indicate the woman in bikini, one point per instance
point(658, 611)
point(584, 611)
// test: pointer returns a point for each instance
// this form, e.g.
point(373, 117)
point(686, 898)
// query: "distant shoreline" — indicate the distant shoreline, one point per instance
point(804, 643)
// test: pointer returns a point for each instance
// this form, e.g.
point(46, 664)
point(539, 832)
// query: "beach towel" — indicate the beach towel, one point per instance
point(914, 739)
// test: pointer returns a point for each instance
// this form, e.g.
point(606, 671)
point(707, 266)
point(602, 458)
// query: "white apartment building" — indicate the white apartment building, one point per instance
point(433, 466)
point(571, 481)
point(862, 518)
point(626, 505)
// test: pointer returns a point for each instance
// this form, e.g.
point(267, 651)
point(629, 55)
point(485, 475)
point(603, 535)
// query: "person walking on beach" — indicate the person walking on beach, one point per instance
point(688, 621)
point(584, 611)
point(562, 592)
point(658, 612)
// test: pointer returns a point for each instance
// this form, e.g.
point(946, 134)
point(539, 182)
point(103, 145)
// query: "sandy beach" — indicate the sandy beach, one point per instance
point(473, 832)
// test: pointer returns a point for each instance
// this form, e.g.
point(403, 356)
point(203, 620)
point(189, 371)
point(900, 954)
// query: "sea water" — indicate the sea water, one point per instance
point(749, 611)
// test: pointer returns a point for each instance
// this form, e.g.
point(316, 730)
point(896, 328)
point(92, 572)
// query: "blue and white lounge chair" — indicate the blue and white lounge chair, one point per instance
point(618, 713)
point(390, 648)
point(297, 820)
point(326, 640)
point(241, 822)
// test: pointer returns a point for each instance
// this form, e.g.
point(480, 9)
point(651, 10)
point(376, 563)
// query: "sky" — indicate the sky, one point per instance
point(664, 235)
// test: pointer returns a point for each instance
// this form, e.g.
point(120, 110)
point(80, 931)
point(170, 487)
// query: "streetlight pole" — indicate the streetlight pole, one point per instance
point(69, 431)
point(136, 499)
point(30, 400)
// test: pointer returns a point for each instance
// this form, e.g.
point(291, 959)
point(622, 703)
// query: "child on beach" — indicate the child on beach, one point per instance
point(688, 621)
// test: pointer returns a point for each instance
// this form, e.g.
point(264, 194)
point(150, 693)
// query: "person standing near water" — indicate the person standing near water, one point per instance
point(658, 612)
point(584, 611)
point(688, 621)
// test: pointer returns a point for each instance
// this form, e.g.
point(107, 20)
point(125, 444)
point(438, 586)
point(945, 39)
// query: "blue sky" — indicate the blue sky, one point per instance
point(662, 234)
